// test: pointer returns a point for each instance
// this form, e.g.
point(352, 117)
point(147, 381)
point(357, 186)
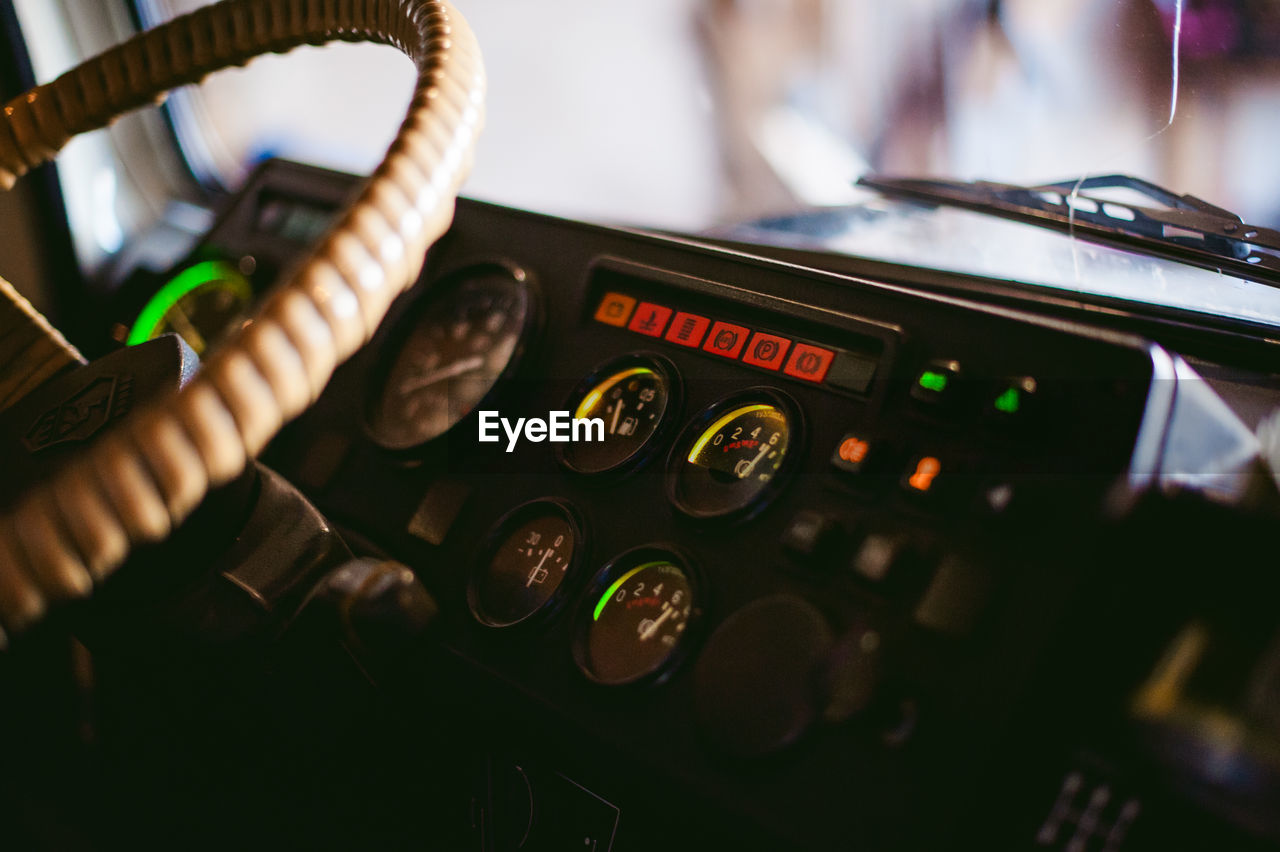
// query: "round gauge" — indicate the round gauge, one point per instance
point(525, 562)
point(733, 456)
point(201, 304)
point(636, 624)
point(633, 396)
point(449, 354)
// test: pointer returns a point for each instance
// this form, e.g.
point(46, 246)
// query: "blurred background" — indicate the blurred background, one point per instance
point(686, 114)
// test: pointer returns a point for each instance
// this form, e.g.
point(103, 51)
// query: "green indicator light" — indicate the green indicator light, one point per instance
point(617, 584)
point(934, 381)
point(1009, 401)
point(189, 279)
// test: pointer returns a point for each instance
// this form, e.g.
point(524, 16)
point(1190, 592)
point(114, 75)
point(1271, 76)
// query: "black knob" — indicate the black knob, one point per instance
point(378, 604)
point(757, 683)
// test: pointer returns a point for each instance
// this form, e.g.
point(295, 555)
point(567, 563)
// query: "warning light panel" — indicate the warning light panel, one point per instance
point(836, 368)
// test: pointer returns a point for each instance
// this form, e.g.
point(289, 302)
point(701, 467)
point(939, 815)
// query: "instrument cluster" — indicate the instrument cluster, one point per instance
point(449, 356)
point(793, 516)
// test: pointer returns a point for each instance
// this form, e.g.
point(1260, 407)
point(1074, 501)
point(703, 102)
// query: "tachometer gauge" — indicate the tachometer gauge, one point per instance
point(636, 622)
point(732, 458)
point(202, 303)
point(524, 564)
point(634, 396)
point(449, 354)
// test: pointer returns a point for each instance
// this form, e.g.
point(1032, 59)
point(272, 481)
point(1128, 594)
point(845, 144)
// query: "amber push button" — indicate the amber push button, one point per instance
point(922, 475)
point(614, 309)
point(851, 453)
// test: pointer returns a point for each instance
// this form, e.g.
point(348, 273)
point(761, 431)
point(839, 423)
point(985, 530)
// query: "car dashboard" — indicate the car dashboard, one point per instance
point(844, 564)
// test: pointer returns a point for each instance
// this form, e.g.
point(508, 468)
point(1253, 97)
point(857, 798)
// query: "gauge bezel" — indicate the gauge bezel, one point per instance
point(497, 535)
point(651, 447)
point(430, 294)
point(694, 429)
point(601, 580)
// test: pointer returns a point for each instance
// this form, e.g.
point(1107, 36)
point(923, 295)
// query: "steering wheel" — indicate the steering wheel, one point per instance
point(140, 481)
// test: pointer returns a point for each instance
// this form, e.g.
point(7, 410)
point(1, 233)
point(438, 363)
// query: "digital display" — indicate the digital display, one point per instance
point(293, 219)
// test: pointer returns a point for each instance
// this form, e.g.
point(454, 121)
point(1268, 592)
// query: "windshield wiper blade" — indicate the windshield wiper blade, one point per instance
point(1183, 228)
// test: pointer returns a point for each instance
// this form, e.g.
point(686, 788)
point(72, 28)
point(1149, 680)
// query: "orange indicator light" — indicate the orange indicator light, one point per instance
point(926, 469)
point(854, 450)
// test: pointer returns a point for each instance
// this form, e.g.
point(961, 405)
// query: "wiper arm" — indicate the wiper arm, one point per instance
point(1185, 228)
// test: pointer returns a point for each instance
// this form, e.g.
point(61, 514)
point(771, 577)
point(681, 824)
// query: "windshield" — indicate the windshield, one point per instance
point(693, 114)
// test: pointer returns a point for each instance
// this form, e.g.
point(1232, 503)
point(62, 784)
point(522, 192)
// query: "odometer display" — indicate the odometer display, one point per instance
point(733, 455)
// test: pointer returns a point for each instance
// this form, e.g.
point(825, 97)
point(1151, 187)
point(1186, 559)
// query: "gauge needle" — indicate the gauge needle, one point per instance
point(537, 568)
point(617, 410)
point(755, 461)
point(457, 368)
point(656, 623)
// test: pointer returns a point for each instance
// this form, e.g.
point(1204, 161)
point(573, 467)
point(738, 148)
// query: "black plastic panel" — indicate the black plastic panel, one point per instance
point(963, 585)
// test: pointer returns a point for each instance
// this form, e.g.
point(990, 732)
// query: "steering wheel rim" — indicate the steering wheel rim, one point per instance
point(150, 472)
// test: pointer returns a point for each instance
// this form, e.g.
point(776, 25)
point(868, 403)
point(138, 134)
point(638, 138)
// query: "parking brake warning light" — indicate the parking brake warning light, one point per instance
point(766, 350)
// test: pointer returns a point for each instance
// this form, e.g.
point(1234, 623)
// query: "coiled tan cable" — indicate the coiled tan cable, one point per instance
point(141, 480)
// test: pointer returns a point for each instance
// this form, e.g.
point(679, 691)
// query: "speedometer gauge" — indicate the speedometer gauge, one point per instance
point(449, 354)
point(732, 458)
point(636, 623)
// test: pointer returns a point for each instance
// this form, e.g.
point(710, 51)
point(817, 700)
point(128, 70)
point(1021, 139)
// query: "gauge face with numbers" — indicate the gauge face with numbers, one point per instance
point(523, 569)
point(635, 625)
point(634, 396)
point(732, 458)
point(449, 355)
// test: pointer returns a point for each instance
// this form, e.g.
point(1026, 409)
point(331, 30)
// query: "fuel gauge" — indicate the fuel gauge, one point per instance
point(635, 396)
point(524, 563)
